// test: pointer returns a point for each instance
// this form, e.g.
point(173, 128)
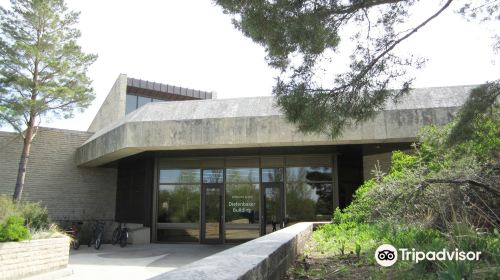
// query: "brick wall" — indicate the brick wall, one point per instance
point(69, 192)
point(19, 259)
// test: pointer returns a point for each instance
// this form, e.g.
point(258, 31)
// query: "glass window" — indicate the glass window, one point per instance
point(272, 175)
point(211, 176)
point(242, 211)
point(179, 203)
point(309, 201)
point(180, 176)
point(238, 235)
point(309, 194)
point(242, 175)
point(179, 235)
point(308, 174)
point(141, 101)
point(131, 103)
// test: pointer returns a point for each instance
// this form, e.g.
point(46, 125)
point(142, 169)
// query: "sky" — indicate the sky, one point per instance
point(191, 43)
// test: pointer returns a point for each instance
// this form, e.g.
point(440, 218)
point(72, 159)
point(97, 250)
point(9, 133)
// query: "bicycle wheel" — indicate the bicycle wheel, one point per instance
point(97, 244)
point(123, 239)
point(116, 236)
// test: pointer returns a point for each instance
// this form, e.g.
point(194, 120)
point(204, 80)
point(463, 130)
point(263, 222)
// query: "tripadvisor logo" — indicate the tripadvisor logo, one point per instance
point(387, 255)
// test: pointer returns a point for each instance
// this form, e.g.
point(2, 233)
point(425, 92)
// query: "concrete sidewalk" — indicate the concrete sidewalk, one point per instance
point(135, 261)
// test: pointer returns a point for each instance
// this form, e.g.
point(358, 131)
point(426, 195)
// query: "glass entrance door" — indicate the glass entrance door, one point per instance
point(212, 215)
point(273, 206)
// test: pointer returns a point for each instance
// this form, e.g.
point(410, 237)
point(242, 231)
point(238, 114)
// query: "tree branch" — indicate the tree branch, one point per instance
point(461, 182)
point(395, 43)
point(362, 5)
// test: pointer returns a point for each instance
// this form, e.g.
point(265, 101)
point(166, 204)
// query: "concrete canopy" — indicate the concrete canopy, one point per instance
point(256, 122)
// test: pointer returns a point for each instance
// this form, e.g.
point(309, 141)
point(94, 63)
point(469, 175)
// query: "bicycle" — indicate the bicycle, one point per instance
point(96, 234)
point(120, 235)
point(74, 233)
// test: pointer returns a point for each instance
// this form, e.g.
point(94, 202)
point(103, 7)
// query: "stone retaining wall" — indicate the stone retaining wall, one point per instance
point(267, 257)
point(25, 258)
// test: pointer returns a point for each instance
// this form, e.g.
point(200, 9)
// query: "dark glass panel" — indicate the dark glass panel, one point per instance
point(308, 174)
point(131, 103)
point(211, 176)
point(178, 235)
point(309, 201)
point(179, 176)
point(143, 101)
point(242, 175)
point(179, 204)
point(272, 175)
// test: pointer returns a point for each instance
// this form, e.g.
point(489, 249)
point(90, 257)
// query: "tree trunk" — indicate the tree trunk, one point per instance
point(28, 137)
point(21, 173)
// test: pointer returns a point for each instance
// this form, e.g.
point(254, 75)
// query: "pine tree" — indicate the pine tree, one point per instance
point(301, 36)
point(43, 70)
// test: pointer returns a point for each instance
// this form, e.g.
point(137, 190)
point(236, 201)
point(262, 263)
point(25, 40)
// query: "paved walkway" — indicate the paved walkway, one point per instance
point(135, 261)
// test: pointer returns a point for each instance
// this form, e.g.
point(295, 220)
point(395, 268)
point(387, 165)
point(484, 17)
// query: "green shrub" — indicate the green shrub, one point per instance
point(13, 229)
point(400, 163)
point(37, 216)
point(359, 211)
point(424, 203)
point(455, 270)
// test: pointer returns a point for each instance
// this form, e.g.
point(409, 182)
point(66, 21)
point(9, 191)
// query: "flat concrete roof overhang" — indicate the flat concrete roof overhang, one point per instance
point(256, 122)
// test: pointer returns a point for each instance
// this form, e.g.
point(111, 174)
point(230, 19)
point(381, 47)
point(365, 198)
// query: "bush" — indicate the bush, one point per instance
point(443, 195)
point(13, 229)
point(359, 211)
point(37, 217)
point(34, 218)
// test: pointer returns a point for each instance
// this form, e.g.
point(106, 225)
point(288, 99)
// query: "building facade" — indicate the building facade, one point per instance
point(192, 168)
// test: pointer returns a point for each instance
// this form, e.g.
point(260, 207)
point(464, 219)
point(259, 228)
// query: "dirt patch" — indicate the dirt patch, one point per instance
point(330, 267)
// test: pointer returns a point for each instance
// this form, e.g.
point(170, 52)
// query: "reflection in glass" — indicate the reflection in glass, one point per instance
point(272, 203)
point(242, 175)
point(309, 193)
point(178, 203)
point(131, 103)
point(178, 235)
point(309, 201)
point(242, 211)
point(211, 176)
point(313, 174)
point(213, 200)
point(179, 176)
point(272, 175)
point(242, 203)
point(240, 235)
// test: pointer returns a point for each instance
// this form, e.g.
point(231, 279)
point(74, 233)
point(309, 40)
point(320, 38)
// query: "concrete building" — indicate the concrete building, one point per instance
point(187, 167)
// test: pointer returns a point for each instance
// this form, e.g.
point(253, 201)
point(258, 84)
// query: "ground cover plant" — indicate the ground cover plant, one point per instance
point(444, 194)
point(24, 220)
